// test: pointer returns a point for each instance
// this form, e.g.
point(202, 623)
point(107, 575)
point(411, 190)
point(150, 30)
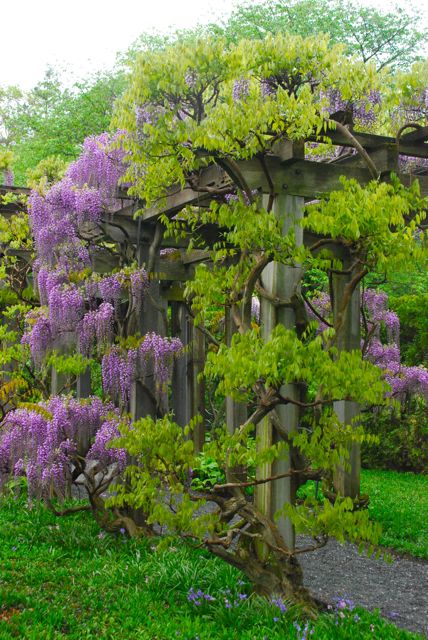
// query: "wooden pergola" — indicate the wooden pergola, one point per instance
point(292, 179)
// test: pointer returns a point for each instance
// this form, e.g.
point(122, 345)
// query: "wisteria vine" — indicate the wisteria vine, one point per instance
point(45, 441)
point(386, 355)
point(153, 356)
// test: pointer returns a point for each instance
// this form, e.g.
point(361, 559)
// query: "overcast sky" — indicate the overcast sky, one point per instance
point(85, 35)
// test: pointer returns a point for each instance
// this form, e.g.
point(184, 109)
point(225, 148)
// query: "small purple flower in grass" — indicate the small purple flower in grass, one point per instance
point(101, 535)
point(356, 618)
point(122, 531)
point(302, 633)
point(208, 597)
point(278, 602)
point(344, 603)
point(197, 597)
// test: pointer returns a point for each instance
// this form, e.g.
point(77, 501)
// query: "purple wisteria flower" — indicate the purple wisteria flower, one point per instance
point(96, 327)
point(44, 443)
point(364, 111)
point(66, 308)
point(241, 89)
point(8, 178)
point(110, 287)
point(38, 334)
point(100, 165)
point(154, 355)
point(139, 282)
point(403, 380)
point(268, 87)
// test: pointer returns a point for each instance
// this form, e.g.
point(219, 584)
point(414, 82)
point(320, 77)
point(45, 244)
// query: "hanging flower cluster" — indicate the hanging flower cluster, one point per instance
point(403, 380)
point(43, 442)
point(38, 334)
point(96, 328)
point(55, 219)
point(363, 111)
point(8, 177)
point(100, 165)
point(376, 303)
point(67, 308)
point(155, 355)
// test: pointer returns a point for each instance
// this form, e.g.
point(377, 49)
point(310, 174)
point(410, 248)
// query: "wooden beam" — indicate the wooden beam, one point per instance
point(177, 197)
point(385, 159)
point(418, 135)
point(373, 141)
point(301, 178)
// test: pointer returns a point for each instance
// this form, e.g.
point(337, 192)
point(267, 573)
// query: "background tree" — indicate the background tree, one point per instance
point(395, 38)
point(53, 120)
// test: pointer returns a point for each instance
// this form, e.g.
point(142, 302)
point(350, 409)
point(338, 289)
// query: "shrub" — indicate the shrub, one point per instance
point(403, 438)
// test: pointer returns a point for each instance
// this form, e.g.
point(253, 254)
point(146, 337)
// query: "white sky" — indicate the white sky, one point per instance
point(85, 35)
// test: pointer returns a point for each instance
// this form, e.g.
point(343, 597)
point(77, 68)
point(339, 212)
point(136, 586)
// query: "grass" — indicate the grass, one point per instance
point(399, 501)
point(62, 579)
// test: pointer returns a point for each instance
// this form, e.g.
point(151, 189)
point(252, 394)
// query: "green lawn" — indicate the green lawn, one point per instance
point(61, 578)
point(399, 501)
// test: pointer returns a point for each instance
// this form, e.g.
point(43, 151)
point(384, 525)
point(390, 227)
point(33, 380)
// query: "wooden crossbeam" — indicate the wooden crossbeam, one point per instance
point(177, 198)
point(408, 146)
point(418, 135)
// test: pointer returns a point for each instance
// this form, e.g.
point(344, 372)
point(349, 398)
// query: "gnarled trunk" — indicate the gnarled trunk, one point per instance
point(276, 571)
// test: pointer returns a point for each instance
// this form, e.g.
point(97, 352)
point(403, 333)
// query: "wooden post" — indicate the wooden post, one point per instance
point(181, 391)
point(198, 385)
point(347, 482)
point(236, 412)
point(83, 390)
point(143, 397)
point(281, 281)
point(83, 385)
point(63, 344)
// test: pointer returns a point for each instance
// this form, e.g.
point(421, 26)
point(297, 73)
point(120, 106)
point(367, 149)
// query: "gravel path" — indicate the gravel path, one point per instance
point(399, 590)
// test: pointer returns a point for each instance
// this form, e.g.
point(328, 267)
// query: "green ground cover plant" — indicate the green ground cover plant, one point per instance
point(63, 578)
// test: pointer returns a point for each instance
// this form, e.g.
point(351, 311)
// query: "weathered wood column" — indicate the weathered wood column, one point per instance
point(181, 391)
point(151, 318)
point(83, 384)
point(282, 282)
point(63, 344)
point(236, 412)
point(347, 481)
point(188, 391)
point(198, 385)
